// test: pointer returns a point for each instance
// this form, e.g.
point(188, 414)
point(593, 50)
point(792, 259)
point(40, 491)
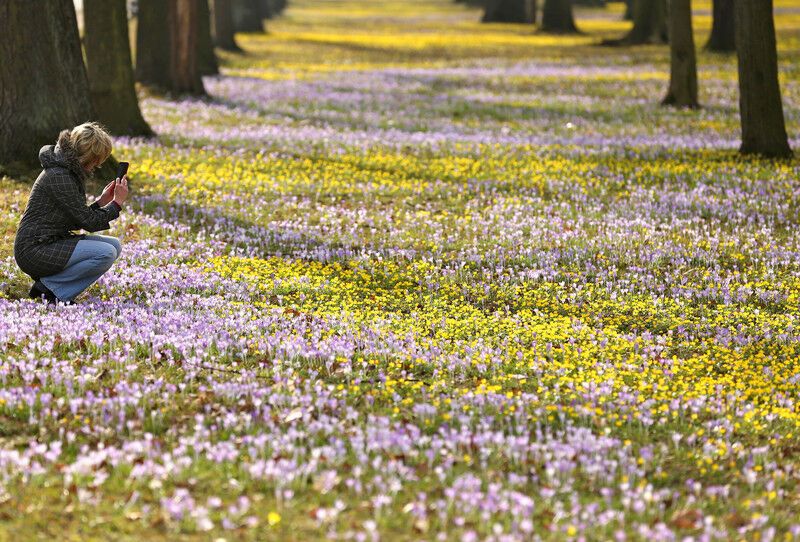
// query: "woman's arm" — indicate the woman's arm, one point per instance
point(107, 195)
point(64, 191)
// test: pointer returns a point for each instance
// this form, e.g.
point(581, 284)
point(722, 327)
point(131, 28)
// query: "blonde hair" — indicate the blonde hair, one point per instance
point(91, 143)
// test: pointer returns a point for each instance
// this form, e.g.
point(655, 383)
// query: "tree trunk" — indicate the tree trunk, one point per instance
point(278, 6)
point(649, 24)
point(108, 62)
point(557, 17)
point(166, 45)
point(184, 25)
point(510, 11)
point(223, 26)
point(43, 84)
point(723, 30)
point(683, 64)
point(247, 16)
point(763, 128)
point(273, 8)
point(268, 9)
point(153, 43)
point(628, 16)
point(206, 58)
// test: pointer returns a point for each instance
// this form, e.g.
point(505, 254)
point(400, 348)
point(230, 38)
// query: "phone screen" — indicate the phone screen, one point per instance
point(122, 169)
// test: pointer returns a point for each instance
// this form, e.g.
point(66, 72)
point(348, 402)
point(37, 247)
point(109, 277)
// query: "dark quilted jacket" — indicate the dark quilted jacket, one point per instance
point(57, 205)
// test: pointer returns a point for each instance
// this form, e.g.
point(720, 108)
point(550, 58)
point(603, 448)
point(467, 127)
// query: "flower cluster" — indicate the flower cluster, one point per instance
point(430, 297)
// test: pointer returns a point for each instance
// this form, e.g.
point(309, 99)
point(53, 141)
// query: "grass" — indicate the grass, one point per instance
point(403, 271)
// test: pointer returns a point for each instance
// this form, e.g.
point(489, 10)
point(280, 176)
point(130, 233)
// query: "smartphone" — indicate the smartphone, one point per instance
point(122, 169)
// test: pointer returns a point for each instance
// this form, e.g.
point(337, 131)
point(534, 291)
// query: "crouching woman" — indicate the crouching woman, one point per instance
point(61, 262)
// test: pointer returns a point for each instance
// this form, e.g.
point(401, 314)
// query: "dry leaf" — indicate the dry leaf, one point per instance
point(687, 519)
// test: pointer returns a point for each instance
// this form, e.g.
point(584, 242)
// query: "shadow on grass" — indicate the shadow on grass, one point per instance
point(455, 108)
point(252, 238)
point(242, 236)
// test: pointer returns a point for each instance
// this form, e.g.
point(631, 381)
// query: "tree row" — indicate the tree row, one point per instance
point(745, 27)
point(45, 85)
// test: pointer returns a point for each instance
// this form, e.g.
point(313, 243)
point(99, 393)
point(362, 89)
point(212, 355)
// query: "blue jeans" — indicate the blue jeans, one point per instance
point(91, 258)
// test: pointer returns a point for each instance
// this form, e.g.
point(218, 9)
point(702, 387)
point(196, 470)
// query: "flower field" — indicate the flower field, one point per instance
point(409, 277)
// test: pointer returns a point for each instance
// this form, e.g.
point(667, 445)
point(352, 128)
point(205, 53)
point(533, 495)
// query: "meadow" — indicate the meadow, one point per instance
point(404, 276)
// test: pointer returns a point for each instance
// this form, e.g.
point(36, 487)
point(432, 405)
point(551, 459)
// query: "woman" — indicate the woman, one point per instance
point(62, 263)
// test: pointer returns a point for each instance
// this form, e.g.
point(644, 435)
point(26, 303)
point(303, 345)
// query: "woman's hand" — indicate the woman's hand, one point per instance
point(107, 195)
point(121, 190)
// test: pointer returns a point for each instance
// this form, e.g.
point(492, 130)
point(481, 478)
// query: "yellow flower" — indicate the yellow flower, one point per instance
point(273, 518)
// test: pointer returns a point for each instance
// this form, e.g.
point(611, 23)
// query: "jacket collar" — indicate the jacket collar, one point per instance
point(63, 154)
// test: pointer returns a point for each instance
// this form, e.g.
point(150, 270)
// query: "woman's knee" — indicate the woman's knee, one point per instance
point(117, 245)
point(106, 255)
point(113, 241)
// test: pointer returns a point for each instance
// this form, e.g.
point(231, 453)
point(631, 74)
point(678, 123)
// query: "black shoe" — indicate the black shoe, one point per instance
point(38, 290)
point(35, 292)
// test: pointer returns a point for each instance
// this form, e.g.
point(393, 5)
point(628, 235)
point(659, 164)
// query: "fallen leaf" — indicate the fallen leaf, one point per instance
point(687, 519)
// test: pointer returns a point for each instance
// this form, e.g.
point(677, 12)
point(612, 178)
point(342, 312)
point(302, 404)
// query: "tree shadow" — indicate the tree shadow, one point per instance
point(456, 108)
point(249, 238)
point(252, 238)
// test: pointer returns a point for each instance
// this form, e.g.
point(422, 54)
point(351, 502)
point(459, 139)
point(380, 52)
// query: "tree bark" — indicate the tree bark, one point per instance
point(43, 84)
point(206, 57)
point(683, 63)
point(153, 43)
point(166, 45)
point(723, 30)
point(649, 24)
point(184, 26)
point(557, 17)
point(248, 16)
point(760, 107)
point(628, 16)
point(224, 37)
point(510, 11)
point(273, 8)
point(278, 6)
point(108, 62)
point(268, 9)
